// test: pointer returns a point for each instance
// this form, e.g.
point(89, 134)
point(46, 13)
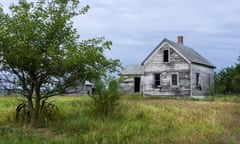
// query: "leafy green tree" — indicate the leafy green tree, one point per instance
point(41, 50)
point(236, 79)
point(223, 81)
point(227, 81)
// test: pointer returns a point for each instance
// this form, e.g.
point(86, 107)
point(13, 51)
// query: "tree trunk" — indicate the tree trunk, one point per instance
point(32, 113)
point(34, 117)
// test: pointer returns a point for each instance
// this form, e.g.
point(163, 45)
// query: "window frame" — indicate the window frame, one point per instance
point(166, 54)
point(177, 79)
point(159, 80)
point(198, 83)
point(197, 80)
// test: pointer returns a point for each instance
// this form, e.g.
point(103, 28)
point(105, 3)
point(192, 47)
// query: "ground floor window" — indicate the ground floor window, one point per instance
point(174, 79)
point(157, 80)
point(198, 85)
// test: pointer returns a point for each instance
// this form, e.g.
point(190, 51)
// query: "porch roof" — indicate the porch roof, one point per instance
point(133, 70)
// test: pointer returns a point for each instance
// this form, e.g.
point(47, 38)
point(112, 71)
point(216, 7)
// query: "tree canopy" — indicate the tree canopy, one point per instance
point(227, 81)
point(41, 50)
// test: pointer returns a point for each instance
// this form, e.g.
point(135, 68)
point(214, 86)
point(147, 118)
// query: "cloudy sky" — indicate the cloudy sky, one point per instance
point(136, 27)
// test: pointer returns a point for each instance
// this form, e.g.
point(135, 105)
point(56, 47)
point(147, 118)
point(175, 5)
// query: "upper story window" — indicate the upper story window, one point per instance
point(165, 55)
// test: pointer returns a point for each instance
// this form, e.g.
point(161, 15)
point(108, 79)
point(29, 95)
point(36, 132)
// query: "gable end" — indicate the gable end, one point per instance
point(160, 46)
point(188, 54)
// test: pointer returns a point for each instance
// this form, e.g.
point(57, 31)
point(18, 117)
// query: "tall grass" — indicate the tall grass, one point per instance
point(134, 121)
point(227, 98)
point(7, 109)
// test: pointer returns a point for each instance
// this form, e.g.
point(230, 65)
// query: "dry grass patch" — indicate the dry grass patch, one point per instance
point(134, 121)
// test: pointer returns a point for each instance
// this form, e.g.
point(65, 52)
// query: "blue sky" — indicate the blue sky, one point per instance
point(136, 27)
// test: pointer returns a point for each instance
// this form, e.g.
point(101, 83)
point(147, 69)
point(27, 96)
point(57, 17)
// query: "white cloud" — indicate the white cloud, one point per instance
point(137, 26)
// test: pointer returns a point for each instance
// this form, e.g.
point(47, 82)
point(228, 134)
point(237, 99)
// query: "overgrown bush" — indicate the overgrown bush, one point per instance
point(106, 96)
point(48, 110)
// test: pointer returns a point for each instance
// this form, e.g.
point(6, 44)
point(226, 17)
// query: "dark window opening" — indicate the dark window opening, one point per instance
point(137, 81)
point(174, 80)
point(157, 80)
point(198, 86)
point(166, 56)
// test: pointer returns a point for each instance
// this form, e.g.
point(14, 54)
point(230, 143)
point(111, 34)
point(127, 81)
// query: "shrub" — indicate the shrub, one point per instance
point(107, 95)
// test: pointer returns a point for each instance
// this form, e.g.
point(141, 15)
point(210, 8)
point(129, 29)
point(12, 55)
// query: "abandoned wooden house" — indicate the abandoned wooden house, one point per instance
point(171, 69)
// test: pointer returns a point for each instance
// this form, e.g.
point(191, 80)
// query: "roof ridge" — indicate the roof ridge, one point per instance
point(192, 54)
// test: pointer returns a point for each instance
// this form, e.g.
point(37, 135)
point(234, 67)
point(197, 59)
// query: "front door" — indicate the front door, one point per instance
point(137, 81)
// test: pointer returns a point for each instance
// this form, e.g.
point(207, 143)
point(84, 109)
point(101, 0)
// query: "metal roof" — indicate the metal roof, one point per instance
point(189, 53)
point(133, 70)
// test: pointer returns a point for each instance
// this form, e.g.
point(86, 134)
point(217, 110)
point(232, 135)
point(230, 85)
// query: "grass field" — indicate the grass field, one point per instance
point(157, 121)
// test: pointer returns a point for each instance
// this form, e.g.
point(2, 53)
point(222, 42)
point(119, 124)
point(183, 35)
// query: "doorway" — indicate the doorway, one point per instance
point(137, 81)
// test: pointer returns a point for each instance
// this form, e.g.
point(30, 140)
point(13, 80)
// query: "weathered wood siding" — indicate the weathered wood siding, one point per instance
point(176, 65)
point(81, 89)
point(206, 80)
point(128, 85)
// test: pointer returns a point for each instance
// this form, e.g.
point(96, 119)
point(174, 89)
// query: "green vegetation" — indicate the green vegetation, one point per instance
point(225, 98)
point(41, 53)
point(134, 120)
point(227, 81)
point(105, 102)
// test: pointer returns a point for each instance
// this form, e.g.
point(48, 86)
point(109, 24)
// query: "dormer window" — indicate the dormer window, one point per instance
point(165, 55)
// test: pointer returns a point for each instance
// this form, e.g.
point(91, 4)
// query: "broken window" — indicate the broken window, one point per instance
point(157, 80)
point(174, 80)
point(166, 56)
point(198, 86)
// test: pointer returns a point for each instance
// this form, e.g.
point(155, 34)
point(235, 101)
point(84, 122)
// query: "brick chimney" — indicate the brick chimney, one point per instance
point(180, 40)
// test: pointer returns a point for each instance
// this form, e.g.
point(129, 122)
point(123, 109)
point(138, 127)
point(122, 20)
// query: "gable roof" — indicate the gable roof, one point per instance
point(187, 52)
point(133, 70)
